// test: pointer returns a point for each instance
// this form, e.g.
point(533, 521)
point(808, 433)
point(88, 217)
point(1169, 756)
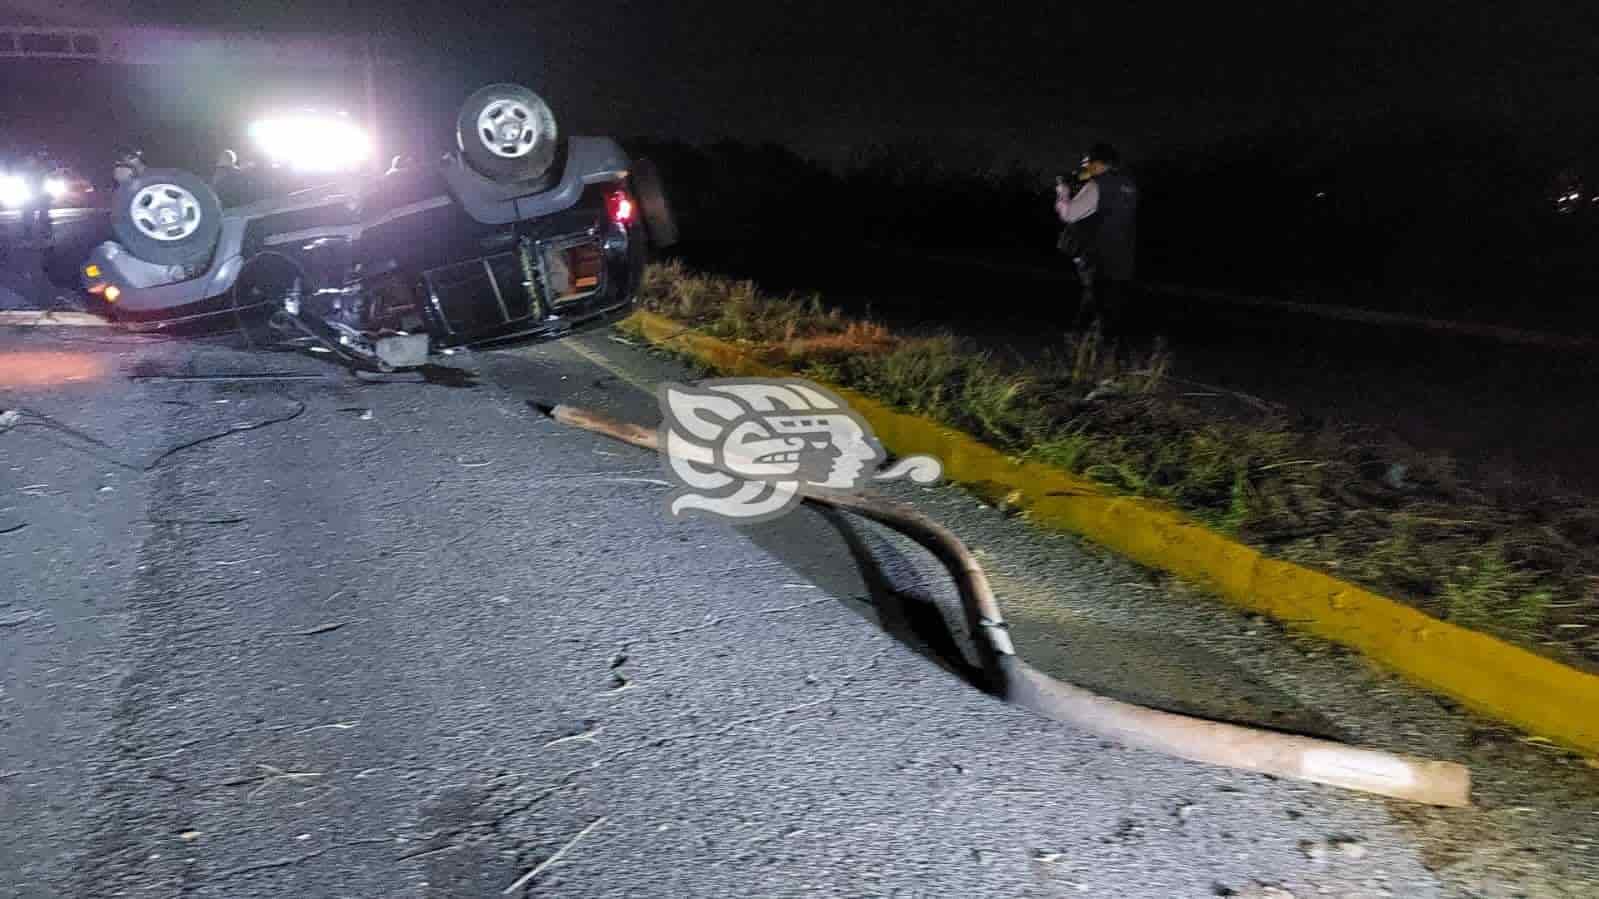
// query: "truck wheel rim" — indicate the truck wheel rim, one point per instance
point(508, 128)
point(166, 212)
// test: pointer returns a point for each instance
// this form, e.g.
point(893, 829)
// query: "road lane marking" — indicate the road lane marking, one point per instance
point(594, 357)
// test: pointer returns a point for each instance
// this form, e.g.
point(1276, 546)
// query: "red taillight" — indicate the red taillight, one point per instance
point(621, 207)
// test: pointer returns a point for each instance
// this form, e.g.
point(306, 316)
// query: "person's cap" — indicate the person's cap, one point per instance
point(1105, 153)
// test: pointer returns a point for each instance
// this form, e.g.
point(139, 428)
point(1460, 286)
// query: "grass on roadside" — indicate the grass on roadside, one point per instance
point(1351, 501)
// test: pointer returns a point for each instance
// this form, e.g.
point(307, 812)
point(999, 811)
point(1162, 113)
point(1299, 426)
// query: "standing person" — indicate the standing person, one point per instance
point(128, 166)
point(1102, 216)
point(36, 213)
point(227, 179)
point(227, 166)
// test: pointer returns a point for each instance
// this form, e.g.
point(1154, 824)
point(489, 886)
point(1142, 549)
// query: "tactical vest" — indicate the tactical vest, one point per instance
point(1112, 230)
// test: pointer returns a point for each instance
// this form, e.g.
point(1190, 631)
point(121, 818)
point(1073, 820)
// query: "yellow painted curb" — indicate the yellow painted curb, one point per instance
point(1485, 674)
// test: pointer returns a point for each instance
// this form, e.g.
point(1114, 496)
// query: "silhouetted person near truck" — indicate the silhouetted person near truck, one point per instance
point(227, 177)
point(35, 170)
point(1100, 213)
point(129, 165)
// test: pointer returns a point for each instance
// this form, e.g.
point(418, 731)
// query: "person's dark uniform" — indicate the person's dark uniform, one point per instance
point(1107, 238)
point(228, 179)
point(129, 165)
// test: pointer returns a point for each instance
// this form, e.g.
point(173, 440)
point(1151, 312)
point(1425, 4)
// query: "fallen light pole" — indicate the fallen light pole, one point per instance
point(1013, 680)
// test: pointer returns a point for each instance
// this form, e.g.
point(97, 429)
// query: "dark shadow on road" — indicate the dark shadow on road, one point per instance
point(922, 613)
point(911, 616)
point(438, 375)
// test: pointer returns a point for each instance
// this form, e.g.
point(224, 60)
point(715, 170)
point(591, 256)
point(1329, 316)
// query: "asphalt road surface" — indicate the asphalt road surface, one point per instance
point(311, 636)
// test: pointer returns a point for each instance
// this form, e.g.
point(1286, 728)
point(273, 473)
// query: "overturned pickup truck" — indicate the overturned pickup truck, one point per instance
point(517, 233)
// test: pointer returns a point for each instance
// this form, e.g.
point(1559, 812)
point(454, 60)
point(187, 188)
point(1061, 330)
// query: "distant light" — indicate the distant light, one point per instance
point(92, 270)
point(313, 143)
point(14, 191)
point(112, 293)
point(55, 187)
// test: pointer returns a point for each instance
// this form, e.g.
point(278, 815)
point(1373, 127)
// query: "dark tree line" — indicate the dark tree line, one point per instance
point(1445, 220)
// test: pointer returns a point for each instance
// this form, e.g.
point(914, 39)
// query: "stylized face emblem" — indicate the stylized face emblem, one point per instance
point(742, 448)
point(826, 449)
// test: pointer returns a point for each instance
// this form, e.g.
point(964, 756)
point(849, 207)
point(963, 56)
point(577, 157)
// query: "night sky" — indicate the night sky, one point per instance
point(978, 82)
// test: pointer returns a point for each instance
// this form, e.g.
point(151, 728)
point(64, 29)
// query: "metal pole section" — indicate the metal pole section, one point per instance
point(1013, 680)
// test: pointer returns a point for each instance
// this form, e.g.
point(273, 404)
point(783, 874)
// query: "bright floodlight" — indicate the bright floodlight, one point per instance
point(55, 187)
point(14, 191)
point(312, 143)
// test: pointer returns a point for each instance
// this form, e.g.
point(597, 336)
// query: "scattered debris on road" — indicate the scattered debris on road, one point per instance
point(239, 428)
point(271, 774)
point(319, 629)
point(229, 520)
point(337, 725)
point(527, 878)
point(1257, 891)
point(588, 736)
point(291, 860)
point(24, 417)
point(256, 376)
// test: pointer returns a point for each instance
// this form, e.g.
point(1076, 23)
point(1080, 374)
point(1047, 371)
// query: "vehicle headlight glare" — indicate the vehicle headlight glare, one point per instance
point(311, 143)
point(14, 191)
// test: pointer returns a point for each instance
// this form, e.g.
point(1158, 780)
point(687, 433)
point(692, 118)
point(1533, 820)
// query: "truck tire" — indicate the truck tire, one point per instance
point(653, 205)
point(167, 217)
point(507, 133)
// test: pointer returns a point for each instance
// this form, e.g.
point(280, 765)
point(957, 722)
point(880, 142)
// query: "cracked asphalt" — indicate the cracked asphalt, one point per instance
point(418, 641)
